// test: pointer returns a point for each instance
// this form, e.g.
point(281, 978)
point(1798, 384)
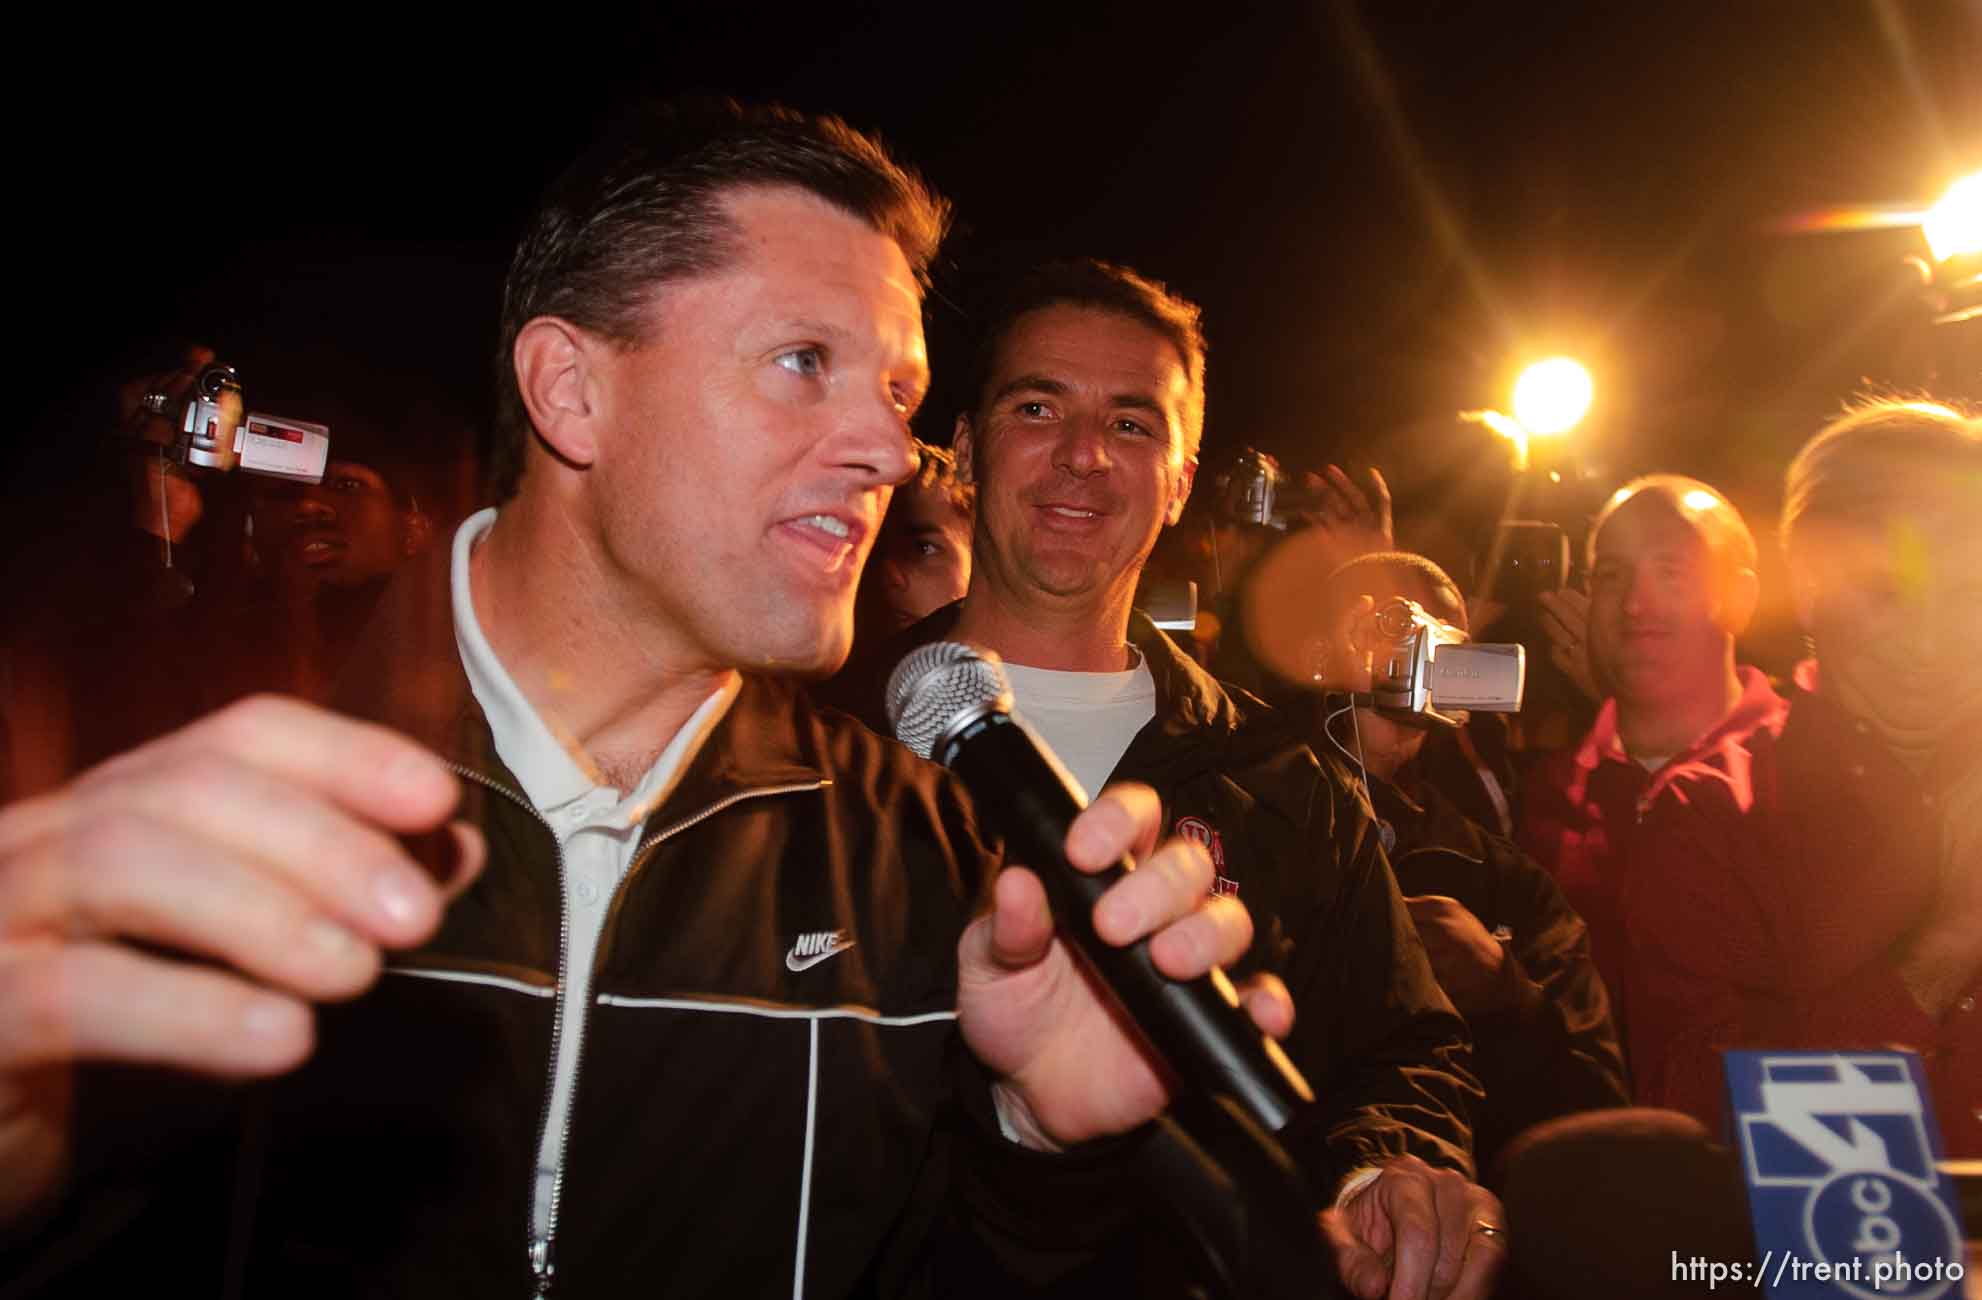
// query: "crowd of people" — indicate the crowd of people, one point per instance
point(534, 900)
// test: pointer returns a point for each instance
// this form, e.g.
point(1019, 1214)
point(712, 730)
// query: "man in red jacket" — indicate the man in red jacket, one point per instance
point(1672, 584)
point(1823, 887)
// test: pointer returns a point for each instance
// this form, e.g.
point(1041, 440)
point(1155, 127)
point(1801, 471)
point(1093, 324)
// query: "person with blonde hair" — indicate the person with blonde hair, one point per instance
point(1827, 893)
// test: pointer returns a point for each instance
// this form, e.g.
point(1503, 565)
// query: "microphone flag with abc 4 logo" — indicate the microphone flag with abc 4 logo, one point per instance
point(1840, 1152)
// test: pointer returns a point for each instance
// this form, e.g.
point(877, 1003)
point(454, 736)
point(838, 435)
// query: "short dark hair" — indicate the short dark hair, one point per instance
point(1352, 578)
point(937, 473)
point(642, 206)
point(1101, 286)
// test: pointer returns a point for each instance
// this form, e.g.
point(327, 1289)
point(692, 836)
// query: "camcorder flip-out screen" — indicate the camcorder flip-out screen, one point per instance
point(283, 448)
point(1431, 668)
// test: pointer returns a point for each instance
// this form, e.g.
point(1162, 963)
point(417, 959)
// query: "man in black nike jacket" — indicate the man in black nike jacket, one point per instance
point(695, 1004)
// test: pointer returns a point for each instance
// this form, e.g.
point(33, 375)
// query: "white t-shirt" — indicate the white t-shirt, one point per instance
point(1088, 719)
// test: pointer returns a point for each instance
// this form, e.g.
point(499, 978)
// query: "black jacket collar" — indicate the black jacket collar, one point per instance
point(1189, 700)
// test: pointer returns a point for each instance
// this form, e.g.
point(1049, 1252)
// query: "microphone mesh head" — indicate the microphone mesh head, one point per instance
point(941, 686)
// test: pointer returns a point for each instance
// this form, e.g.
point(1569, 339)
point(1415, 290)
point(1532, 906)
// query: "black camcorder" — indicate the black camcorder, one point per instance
point(1533, 557)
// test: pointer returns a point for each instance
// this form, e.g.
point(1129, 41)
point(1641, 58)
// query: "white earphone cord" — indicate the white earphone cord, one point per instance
point(164, 510)
point(1328, 729)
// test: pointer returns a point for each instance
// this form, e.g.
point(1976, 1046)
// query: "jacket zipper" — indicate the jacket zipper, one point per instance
point(543, 1269)
point(538, 1253)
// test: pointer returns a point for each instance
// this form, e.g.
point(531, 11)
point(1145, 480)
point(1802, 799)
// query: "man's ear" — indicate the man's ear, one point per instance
point(557, 376)
point(1738, 601)
point(1185, 478)
point(963, 447)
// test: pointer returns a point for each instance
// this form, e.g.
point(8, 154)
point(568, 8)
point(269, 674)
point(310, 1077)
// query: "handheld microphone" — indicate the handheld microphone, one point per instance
point(951, 702)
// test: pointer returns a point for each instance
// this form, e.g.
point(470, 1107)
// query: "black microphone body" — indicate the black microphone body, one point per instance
point(1196, 1027)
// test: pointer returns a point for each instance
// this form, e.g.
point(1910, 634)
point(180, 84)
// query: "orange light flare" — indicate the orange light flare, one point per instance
point(1505, 426)
point(1952, 227)
point(1824, 221)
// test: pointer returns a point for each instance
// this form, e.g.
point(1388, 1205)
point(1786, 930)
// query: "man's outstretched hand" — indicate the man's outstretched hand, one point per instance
point(263, 839)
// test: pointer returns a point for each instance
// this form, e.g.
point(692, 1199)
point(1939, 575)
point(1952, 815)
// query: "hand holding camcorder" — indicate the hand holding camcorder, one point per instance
point(1254, 490)
point(216, 432)
point(1425, 666)
point(1412, 664)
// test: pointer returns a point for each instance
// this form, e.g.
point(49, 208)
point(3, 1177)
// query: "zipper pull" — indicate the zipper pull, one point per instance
point(540, 1265)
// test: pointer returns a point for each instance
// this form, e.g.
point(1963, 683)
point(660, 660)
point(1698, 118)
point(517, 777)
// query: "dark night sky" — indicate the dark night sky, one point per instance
point(1381, 206)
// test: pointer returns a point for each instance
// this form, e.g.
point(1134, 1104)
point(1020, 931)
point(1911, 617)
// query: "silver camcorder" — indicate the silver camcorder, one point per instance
point(1255, 490)
point(1424, 665)
point(217, 432)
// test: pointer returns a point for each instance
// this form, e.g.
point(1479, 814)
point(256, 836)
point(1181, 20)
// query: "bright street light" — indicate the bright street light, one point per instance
point(1552, 396)
point(1954, 225)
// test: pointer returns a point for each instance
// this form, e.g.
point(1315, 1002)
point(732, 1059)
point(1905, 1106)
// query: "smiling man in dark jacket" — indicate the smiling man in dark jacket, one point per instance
point(1082, 445)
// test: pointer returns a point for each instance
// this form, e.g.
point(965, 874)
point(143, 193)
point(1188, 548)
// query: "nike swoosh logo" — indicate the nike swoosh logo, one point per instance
point(794, 962)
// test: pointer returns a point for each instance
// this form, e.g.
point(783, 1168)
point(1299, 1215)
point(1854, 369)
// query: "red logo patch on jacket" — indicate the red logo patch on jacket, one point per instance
point(1199, 832)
